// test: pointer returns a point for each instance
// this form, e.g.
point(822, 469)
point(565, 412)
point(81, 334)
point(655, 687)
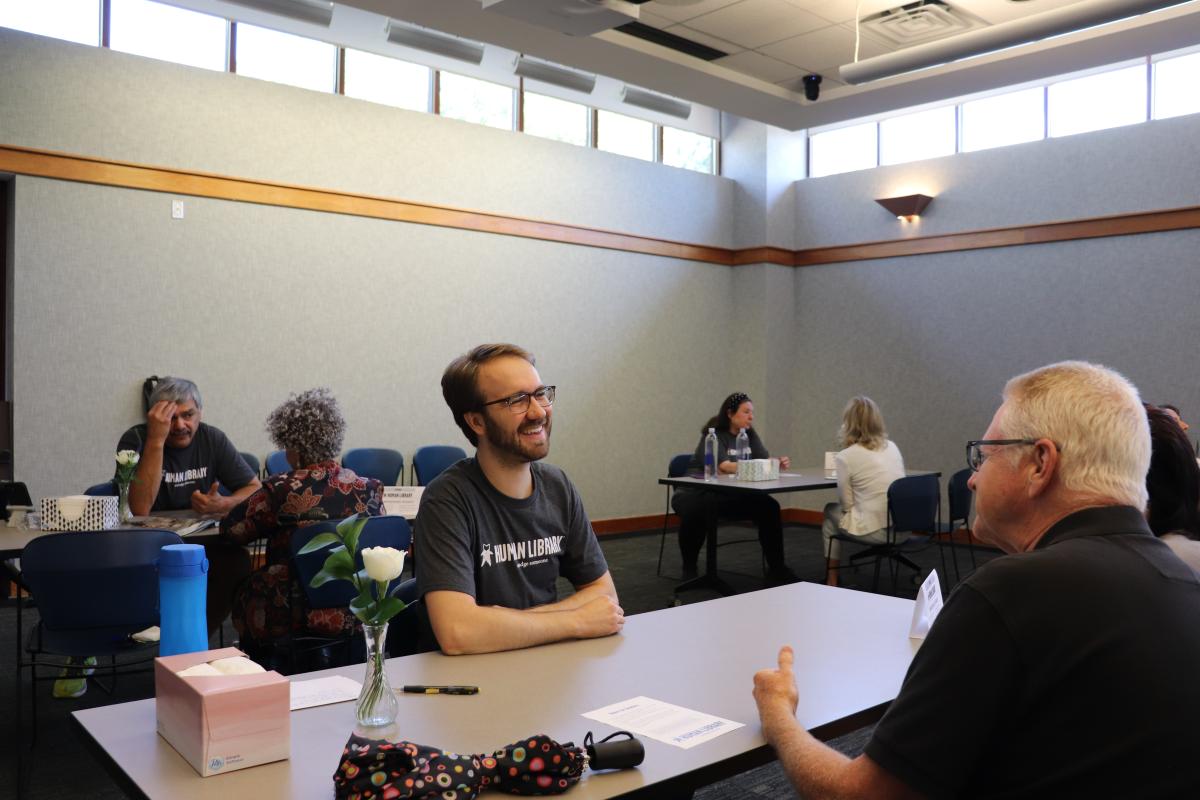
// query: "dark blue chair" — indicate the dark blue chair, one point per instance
point(677, 468)
point(106, 489)
point(914, 507)
point(277, 463)
point(93, 589)
point(958, 503)
point(431, 460)
point(378, 532)
point(252, 462)
point(379, 463)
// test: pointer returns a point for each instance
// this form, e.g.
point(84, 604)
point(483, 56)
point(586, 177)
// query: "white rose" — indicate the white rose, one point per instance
point(383, 563)
point(127, 457)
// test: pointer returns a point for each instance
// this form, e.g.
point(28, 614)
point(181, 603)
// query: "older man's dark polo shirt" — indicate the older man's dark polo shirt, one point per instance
point(1069, 671)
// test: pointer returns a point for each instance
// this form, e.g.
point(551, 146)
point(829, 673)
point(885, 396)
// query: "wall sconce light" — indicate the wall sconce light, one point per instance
point(908, 207)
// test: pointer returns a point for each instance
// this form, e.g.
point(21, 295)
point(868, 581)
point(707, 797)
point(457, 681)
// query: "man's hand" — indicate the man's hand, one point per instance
point(158, 421)
point(775, 692)
point(600, 616)
point(210, 502)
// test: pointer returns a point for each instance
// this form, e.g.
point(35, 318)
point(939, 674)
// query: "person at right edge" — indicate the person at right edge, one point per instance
point(736, 415)
point(1066, 667)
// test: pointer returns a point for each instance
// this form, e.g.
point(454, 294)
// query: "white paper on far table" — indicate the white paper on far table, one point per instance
point(323, 691)
point(663, 722)
point(402, 501)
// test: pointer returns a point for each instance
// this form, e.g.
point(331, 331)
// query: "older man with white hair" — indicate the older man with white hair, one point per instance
point(1068, 667)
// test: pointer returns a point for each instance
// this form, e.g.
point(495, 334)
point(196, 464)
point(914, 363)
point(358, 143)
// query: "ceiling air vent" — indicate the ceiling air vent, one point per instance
point(922, 21)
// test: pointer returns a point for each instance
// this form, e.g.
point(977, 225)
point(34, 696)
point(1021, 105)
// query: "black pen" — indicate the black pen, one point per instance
point(440, 690)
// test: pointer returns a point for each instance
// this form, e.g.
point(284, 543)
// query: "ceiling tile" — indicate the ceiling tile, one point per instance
point(843, 10)
point(687, 11)
point(654, 20)
point(759, 66)
point(831, 45)
point(753, 23)
point(705, 39)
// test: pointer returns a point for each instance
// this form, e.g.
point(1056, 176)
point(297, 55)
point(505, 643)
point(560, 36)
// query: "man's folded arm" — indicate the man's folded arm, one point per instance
point(462, 626)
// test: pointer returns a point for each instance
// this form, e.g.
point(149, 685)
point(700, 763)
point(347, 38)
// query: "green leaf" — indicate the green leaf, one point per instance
point(319, 541)
point(388, 608)
point(350, 529)
point(323, 577)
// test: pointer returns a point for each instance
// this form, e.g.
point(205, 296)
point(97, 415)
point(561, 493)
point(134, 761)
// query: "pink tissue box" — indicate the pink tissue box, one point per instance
point(220, 724)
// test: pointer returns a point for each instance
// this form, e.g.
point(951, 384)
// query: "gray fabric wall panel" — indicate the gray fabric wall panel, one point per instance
point(934, 338)
point(254, 302)
point(78, 99)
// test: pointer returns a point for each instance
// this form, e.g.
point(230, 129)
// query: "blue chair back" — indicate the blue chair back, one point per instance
point(432, 460)
point(277, 463)
point(380, 463)
point(252, 462)
point(914, 503)
point(96, 580)
point(679, 465)
point(106, 489)
point(959, 494)
point(378, 532)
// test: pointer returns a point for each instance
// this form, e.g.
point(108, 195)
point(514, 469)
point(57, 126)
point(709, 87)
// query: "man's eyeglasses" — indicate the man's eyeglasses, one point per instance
point(519, 403)
point(976, 456)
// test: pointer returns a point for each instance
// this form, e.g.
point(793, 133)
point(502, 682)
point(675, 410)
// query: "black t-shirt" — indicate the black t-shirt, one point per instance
point(471, 538)
point(1072, 670)
point(210, 456)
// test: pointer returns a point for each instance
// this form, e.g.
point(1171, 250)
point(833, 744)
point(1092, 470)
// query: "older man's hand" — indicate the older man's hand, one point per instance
point(210, 502)
point(158, 421)
point(776, 694)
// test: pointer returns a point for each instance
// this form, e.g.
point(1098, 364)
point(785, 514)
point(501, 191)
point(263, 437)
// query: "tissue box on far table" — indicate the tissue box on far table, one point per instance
point(758, 469)
point(79, 513)
point(222, 723)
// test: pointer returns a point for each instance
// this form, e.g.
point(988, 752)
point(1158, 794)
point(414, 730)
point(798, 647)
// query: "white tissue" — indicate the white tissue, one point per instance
point(237, 665)
point(151, 634)
point(72, 508)
point(199, 670)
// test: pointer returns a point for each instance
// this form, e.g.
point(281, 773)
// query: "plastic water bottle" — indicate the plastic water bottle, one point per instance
point(743, 446)
point(182, 592)
point(712, 455)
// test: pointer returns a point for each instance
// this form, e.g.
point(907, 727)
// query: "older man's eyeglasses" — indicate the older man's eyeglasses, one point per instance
point(976, 456)
point(519, 403)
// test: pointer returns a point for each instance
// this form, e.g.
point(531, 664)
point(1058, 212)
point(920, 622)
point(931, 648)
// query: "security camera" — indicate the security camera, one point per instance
point(812, 87)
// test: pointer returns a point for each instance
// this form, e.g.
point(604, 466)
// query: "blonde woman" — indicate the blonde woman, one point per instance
point(866, 467)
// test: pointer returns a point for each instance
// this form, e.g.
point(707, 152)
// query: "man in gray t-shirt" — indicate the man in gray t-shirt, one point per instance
point(496, 531)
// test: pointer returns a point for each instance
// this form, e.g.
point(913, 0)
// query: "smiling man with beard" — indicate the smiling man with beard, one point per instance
point(496, 531)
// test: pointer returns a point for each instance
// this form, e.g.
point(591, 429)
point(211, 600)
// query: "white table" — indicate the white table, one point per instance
point(852, 650)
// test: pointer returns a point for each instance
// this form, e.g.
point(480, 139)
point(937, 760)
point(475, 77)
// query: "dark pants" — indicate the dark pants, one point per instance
point(693, 508)
point(228, 565)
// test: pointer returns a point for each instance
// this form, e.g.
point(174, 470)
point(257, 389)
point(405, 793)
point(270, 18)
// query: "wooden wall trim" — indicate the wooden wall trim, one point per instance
point(1070, 230)
point(85, 169)
point(106, 172)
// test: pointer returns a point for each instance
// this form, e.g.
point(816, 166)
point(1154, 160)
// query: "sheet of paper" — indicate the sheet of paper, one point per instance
point(663, 722)
point(929, 603)
point(402, 501)
point(323, 691)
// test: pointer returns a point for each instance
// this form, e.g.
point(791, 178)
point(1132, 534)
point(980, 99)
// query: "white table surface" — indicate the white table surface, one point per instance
point(852, 650)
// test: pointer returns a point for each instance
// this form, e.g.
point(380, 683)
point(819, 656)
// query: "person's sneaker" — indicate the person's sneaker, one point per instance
point(72, 680)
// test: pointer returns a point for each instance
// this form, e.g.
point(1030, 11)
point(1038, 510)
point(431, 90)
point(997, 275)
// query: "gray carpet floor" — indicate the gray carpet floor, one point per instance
point(62, 767)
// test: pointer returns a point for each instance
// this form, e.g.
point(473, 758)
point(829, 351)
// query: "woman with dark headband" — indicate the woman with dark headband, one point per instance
point(736, 415)
point(1173, 484)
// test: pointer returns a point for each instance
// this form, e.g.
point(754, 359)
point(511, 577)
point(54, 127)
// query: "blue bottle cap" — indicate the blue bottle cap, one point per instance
point(182, 560)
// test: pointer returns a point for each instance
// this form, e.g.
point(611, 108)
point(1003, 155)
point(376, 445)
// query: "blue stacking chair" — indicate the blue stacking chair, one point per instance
point(378, 532)
point(914, 506)
point(958, 497)
point(106, 489)
point(677, 468)
point(93, 589)
point(277, 463)
point(432, 460)
point(253, 462)
point(380, 463)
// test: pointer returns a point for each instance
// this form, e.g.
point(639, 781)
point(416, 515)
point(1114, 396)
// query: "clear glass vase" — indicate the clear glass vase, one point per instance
point(377, 703)
point(123, 514)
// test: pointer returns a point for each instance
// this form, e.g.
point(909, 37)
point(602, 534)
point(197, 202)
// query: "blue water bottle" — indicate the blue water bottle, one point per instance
point(182, 590)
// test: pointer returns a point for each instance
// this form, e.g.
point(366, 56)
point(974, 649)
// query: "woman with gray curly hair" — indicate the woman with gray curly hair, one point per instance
point(309, 427)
